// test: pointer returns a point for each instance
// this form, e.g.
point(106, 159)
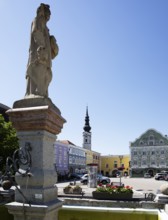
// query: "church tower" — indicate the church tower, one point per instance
point(87, 134)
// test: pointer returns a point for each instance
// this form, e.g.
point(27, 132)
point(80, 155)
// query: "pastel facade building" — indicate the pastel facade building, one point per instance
point(69, 158)
point(61, 162)
point(111, 165)
point(149, 153)
point(77, 159)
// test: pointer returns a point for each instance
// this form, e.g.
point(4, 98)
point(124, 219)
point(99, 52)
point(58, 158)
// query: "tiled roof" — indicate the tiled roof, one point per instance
point(67, 142)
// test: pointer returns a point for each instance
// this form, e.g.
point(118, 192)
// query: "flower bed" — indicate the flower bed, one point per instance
point(113, 192)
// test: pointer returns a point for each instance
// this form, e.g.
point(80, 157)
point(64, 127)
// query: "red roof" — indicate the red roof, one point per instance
point(67, 142)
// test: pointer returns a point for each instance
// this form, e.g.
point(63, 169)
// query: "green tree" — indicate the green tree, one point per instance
point(8, 141)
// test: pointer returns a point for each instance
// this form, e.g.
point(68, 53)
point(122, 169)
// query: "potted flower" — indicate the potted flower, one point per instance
point(68, 189)
point(113, 192)
point(77, 189)
point(72, 189)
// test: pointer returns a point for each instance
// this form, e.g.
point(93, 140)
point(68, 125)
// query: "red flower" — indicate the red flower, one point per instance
point(113, 187)
point(100, 184)
point(128, 187)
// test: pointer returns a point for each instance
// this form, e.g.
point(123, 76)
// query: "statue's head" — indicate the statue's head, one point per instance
point(44, 10)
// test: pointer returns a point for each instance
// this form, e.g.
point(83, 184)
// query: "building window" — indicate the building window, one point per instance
point(135, 153)
point(153, 153)
point(107, 165)
point(144, 162)
point(162, 162)
point(135, 162)
point(153, 162)
point(144, 153)
point(115, 165)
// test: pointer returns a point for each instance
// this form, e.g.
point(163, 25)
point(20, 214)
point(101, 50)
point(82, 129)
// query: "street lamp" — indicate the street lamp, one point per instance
point(120, 168)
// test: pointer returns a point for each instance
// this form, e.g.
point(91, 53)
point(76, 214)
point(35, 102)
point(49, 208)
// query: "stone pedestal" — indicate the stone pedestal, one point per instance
point(37, 122)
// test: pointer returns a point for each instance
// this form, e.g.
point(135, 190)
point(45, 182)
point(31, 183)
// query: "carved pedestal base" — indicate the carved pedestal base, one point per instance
point(37, 122)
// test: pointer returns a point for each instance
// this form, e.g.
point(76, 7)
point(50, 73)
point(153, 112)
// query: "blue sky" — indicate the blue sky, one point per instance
point(113, 57)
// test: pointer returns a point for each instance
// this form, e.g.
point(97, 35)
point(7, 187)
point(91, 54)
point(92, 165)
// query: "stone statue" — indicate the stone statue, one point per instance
point(43, 48)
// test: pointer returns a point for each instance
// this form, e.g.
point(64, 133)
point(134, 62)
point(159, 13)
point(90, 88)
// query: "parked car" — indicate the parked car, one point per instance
point(160, 176)
point(84, 179)
point(73, 176)
point(147, 175)
point(100, 179)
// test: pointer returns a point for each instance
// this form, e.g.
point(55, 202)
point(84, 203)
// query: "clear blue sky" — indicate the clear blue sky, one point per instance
point(113, 57)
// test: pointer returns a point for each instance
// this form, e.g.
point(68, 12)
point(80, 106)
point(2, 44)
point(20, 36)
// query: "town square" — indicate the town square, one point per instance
point(83, 111)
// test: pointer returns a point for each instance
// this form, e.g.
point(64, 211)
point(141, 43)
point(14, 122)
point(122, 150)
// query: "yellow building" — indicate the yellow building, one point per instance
point(94, 158)
point(111, 165)
point(89, 156)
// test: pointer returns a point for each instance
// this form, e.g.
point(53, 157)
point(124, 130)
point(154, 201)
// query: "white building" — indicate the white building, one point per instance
point(149, 154)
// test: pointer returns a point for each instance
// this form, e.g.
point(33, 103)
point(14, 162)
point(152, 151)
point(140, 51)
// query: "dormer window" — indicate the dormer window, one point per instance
point(151, 137)
point(161, 141)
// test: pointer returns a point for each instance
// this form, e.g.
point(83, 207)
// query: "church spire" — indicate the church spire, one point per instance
point(87, 127)
point(87, 132)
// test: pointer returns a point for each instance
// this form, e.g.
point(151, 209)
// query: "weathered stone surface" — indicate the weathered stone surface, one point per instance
point(34, 101)
point(37, 122)
point(39, 187)
point(111, 203)
point(43, 48)
point(34, 212)
point(164, 189)
point(43, 117)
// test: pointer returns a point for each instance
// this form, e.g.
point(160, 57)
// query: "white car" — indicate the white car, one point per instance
point(147, 175)
point(100, 179)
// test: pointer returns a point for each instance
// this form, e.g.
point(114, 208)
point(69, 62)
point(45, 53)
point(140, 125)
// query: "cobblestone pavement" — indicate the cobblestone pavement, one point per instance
point(141, 186)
